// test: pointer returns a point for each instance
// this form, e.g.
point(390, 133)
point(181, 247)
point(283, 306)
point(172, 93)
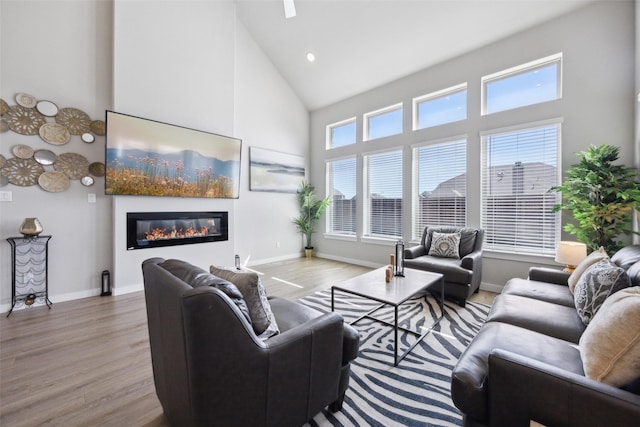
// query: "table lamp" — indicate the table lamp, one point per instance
point(570, 254)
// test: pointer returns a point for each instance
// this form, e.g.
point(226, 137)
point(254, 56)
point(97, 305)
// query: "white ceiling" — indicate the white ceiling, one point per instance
point(362, 44)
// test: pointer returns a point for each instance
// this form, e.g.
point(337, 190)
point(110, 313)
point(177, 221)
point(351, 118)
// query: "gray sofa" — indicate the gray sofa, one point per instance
point(210, 367)
point(525, 363)
point(462, 275)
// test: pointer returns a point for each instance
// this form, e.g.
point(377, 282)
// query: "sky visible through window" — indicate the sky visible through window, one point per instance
point(385, 175)
point(440, 163)
point(526, 88)
point(344, 174)
point(343, 135)
point(385, 124)
point(445, 109)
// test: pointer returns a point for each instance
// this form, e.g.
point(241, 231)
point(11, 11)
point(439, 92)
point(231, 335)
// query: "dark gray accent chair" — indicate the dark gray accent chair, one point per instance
point(461, 276)
point(210, 368)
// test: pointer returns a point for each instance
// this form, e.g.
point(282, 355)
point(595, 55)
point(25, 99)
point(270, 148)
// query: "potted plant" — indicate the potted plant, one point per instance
point(311, 209)
point(601, 197)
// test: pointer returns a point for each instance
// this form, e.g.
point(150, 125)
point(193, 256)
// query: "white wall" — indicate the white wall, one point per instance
point(267, 116)
point(597, 106)
point(184, 62)
point(59, 51)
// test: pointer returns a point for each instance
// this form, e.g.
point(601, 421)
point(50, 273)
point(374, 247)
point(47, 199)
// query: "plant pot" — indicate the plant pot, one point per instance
point(308, 252)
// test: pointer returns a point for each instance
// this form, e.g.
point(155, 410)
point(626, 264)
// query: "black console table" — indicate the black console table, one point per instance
point(29, 270)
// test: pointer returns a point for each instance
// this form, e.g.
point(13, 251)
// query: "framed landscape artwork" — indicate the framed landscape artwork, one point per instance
point(275, 171)
point(150, 158)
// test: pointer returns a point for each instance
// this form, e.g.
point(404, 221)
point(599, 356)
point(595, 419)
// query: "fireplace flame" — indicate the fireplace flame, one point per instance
point(174, 233)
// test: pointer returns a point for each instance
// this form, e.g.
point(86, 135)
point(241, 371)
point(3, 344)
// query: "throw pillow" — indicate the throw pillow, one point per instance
point(249, 284)
point(228, 288)
point(445, 245)
point(595, 256)
point(196, 276)
point(602, 279)
point(182, 269)
point(610, 346)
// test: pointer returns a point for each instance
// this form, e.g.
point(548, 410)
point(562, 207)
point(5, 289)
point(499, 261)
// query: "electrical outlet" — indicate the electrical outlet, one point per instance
point(6, 196)
point(91, 198)
point(277, 244)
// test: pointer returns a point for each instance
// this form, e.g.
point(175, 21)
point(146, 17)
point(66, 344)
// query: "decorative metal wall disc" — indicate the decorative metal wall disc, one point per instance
point(98, 127)
point(3, 160)
point(74, 165)
point(22, 172)
point(4, 126)
point(54, 133)
point(47, 108)
point(4, 107)
point(77, 121)
point(25, 100)
point(25, 121)
point(22, 151)
point(45, 157)
point(53, 182)
point(96, 169)
point(87, 181)
point(88, 138)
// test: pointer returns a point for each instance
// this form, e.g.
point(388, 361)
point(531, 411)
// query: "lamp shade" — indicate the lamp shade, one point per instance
point(571, 253)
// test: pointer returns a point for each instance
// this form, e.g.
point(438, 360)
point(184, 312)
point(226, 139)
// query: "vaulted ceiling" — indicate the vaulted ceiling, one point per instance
point(362, 44)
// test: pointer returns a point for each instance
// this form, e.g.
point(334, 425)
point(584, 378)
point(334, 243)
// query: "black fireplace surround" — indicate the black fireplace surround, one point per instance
point(156, 229)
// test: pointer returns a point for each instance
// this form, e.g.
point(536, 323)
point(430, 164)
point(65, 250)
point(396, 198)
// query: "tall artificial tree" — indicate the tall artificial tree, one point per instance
point(311, 209)
point(602, 196)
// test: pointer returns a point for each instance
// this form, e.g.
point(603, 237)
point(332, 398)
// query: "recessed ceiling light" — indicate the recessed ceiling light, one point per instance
point(311, 57)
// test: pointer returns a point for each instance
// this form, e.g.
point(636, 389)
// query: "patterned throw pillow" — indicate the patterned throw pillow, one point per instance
point(445, 245)
point(595, 256)
point(255, 295)
point(602, 279)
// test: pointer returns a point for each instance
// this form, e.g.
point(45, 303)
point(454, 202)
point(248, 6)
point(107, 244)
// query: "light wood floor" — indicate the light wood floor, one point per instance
point(87, 362)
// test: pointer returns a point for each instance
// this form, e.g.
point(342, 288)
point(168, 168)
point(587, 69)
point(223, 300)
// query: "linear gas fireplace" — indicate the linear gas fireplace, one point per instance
point(154, 229)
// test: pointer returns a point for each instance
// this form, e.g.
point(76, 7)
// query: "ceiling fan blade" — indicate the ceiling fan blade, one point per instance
point(289, 9)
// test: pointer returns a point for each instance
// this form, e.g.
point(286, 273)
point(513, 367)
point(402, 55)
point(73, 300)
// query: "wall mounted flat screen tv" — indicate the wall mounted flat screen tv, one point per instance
point(150, 158)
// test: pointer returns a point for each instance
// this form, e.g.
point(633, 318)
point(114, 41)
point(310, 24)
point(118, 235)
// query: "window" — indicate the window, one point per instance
point(439, 185)
point(445, 106)
point(518, 168)
point(384, 122)
point(341, 185)
point(341, 133)
point(383, 194)
point(527, 84)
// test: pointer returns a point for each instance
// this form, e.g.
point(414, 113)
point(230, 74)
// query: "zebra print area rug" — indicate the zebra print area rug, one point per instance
point(417, 391)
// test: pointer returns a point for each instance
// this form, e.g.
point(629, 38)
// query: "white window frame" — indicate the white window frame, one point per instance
point(329, 133)
point(519, 69)
point(367, 116)
point(483, 170)
point(435, 95)
point(366, 230)
point(329, 226)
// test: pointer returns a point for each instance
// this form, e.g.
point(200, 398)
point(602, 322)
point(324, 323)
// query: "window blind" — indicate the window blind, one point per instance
point(518, 169)
point(440, 185)
point(341, 182)
point(383, 192)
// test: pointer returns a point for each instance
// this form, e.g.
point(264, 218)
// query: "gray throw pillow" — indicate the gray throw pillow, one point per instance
point(227, 288)
point(596, 284)
point(196, 276)
point(445, 245)
point(262, 318)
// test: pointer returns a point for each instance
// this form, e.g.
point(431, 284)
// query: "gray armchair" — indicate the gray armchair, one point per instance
point(210, 368)
point(461, 276)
